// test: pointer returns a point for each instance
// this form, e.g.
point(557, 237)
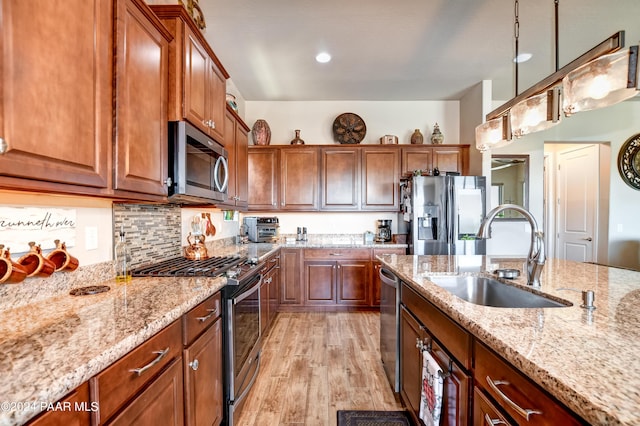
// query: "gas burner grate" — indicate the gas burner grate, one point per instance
point(182, 267)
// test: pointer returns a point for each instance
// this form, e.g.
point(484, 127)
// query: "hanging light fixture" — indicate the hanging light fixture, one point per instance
point(536, 113)
point(603, 82)
point(493, 133)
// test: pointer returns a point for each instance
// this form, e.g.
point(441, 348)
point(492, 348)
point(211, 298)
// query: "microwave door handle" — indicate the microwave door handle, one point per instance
point(221, 162)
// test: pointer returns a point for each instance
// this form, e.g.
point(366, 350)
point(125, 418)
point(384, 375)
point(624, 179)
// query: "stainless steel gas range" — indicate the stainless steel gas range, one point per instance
point(241, 315)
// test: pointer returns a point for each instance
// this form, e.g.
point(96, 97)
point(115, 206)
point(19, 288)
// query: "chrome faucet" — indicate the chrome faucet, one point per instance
point(536, 257)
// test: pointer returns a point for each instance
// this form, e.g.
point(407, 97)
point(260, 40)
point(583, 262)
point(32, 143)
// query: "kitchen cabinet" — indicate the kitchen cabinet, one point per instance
point(237, 143)
point(78, 415)
point(197, 78)
point(264, 178)
point(299, 178)
point(337, 277)
point(203, 378)
point(424, 328)
point(290, 277)
point(375, 278)
point(447, 158)
point(143, 384)
point(485, 413)
point(269, 292)
point(515, 394)
point(141, 83)
point(380, 177)
point(56, 96)
point(340, 179)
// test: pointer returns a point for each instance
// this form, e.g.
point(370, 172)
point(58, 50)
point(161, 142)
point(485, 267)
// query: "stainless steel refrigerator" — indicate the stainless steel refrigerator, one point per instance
point(442, 214)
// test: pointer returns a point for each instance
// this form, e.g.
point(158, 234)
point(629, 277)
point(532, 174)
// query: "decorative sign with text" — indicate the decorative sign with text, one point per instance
point(19, 225)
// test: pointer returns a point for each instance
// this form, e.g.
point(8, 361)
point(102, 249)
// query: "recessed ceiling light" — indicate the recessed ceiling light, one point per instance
point(522, 57)
point(323, 57)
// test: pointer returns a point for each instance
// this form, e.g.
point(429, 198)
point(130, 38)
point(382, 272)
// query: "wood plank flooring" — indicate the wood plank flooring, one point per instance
point(314, 364)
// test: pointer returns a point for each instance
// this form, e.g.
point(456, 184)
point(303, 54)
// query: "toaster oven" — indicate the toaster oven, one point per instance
point(262, 229)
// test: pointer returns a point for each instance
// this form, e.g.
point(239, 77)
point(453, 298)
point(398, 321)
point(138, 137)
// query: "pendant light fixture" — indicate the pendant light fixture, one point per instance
point(494, 133)
point(536, 113)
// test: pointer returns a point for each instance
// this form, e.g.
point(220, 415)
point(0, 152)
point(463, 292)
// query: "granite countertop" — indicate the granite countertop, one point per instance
point(590, 361)
point(335, 241)
point(51, 342)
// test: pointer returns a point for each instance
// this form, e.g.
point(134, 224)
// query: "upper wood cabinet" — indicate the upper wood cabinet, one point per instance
point(264, 173)
point(56, 95)
point(197, 78)
point(380, 177)
point(299, 178)
point(447, 158)
point(237, 143)
point(340, 179)
point(141, 81)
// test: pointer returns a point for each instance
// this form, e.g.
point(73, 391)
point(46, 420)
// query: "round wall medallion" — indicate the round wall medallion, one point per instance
point(349, 128)
point(629, 162)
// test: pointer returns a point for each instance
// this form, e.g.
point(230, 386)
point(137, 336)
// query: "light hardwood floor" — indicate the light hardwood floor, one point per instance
point(314, 364)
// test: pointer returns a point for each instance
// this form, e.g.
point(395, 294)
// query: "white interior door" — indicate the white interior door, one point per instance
point(578, 194)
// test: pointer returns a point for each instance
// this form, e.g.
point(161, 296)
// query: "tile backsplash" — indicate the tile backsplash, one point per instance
point(153, 232)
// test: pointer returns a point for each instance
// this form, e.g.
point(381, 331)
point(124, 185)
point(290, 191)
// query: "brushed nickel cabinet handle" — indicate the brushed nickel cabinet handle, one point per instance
point(524, 412)
point(194, 364)
point(335, 254)
point(488, 420)
point(4, 146)
point(161, 354)
point(213, 312)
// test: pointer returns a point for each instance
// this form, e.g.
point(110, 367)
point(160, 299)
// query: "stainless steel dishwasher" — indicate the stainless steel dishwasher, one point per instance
point(390, 326)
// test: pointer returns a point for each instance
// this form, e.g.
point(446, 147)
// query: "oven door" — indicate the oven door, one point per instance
point(244, 340)
point(198, 165)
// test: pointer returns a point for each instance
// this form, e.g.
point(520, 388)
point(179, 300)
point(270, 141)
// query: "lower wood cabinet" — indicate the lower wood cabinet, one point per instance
point(485, 413)
point(203, 397)
point(79, 413)
point(290, 277)
point(414, 339)
point(160, 403)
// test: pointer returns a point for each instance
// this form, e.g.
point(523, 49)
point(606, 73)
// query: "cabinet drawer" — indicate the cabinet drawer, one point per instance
point(337, 254)
point(199, 318)
point(114, 386)
point(485, 413)
point(516, 394)
point(453, 337)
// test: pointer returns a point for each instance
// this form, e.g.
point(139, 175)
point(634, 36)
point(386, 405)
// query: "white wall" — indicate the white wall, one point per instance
point(315, 119)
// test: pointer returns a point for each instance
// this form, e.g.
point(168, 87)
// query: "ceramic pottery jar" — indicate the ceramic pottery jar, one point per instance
point(297, 140)
point(437, 137)
point(261, 132)
point(416, 137)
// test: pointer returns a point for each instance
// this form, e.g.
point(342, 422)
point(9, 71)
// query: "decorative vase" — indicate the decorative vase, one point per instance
point(437, 137)
point(261, 132)
point(416, 137)
point(297, 140)
point(231, 100)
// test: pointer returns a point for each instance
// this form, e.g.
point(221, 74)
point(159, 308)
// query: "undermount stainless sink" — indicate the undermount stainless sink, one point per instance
point(489, 292)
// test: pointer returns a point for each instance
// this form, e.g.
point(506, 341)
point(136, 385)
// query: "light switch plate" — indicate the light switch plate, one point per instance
point(91, 238)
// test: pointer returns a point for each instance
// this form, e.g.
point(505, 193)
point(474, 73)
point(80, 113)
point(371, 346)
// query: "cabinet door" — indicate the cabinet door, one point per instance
point(216, 93)
point(380, 177)
point(264, 304)
point(456, 397)
point(141, 101)
point(353, 278)
point(230, 144)
point(56, 93)
point(416, 158)
point(299, 179)
point(196, 81)
point(320, 282)
point(161, 403)
point(340, 178)
point(241, 165)
point(410, 363)
point(263, 172)
point(274, 286)
point(290, 277)
point(203, 378)
point(79, 397)
point(450, 159)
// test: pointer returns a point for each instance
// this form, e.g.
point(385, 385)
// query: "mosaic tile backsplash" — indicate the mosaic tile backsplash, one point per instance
point(152, 231)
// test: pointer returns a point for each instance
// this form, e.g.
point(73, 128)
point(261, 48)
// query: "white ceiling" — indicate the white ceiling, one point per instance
point(402, 49)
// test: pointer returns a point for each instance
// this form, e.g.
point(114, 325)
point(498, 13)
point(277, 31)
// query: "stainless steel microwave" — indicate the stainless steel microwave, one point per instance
point(198, 166)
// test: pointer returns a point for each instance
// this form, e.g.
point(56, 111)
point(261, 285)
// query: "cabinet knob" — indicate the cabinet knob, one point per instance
point(213, 124)
point(168, 181)
point(194, 364)
point(4, 146)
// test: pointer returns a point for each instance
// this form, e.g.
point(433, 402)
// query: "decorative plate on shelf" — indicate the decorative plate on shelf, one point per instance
point(629, 162)
point(349, 128)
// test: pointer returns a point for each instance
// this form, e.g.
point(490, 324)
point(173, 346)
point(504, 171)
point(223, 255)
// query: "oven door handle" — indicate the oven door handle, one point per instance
point(254, 286)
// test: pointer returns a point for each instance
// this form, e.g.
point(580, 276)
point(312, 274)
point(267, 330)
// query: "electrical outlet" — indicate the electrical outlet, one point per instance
point(91, 238)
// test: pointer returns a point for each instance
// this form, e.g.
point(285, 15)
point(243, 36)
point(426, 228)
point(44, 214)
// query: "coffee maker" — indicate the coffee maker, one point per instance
point(383, 235)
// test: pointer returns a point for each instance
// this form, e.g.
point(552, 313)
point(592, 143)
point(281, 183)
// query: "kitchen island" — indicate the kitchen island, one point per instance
point(587, 360)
